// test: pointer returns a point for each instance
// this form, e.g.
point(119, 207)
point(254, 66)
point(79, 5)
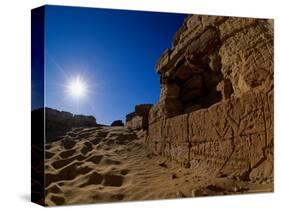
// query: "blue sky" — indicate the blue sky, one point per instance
point(113, 51)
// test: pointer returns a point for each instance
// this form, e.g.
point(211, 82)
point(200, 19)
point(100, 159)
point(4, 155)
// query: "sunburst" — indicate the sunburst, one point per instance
point(77, 87)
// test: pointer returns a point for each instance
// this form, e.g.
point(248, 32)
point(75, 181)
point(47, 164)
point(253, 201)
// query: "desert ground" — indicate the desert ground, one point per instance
point(107, 164)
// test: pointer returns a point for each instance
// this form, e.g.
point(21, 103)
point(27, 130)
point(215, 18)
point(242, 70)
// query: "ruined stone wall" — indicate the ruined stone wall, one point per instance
point(139, 118)
point(136, 122)
point(215, 111)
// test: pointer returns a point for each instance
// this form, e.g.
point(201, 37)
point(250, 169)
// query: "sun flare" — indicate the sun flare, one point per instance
point(77, 87)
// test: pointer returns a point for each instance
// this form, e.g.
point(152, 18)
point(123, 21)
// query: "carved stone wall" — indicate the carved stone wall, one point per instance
point(215, 111)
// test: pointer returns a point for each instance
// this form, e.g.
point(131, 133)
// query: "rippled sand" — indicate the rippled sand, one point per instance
point(105, 164)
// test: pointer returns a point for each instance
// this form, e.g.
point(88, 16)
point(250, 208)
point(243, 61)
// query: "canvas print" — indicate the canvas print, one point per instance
point(133, 105)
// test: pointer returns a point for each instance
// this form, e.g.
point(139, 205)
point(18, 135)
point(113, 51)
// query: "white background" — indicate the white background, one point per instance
point(15, 104)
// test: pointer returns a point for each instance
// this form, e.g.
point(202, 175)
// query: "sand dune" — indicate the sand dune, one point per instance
point(104, 164)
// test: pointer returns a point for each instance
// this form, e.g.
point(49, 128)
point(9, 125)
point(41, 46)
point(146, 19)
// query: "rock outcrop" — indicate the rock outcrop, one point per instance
point(59, 122)
point(117, 123)
point(215, 111)
point(139, 118)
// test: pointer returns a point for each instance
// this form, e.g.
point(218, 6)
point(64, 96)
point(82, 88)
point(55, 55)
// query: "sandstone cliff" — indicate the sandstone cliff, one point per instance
point(59, 122)
point(215, 112)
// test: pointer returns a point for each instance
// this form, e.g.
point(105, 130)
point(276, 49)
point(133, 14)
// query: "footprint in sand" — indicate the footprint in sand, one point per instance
point(101, 134)
point(84, 135)
point(95, 159)
point(95, 141)
point(113, 180)
point(61, 163)
point(86, 148)
point(96, 178)
point(68, 142)
point(68, 172)
point(109, 161)
point(55, 189)
point(49, 155)
point(67, 154)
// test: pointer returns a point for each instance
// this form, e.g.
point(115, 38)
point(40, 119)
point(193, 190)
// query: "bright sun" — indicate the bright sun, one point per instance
point(77, 87)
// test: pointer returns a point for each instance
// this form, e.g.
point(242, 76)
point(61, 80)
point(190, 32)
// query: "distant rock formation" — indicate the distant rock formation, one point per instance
point(117, 123)
point(139, 118)
point(59, 122)
point(215, 111)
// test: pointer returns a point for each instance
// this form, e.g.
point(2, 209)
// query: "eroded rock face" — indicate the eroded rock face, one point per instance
point(117, 123)
point(59, 122)
point(139, 118)
point(215, 111)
